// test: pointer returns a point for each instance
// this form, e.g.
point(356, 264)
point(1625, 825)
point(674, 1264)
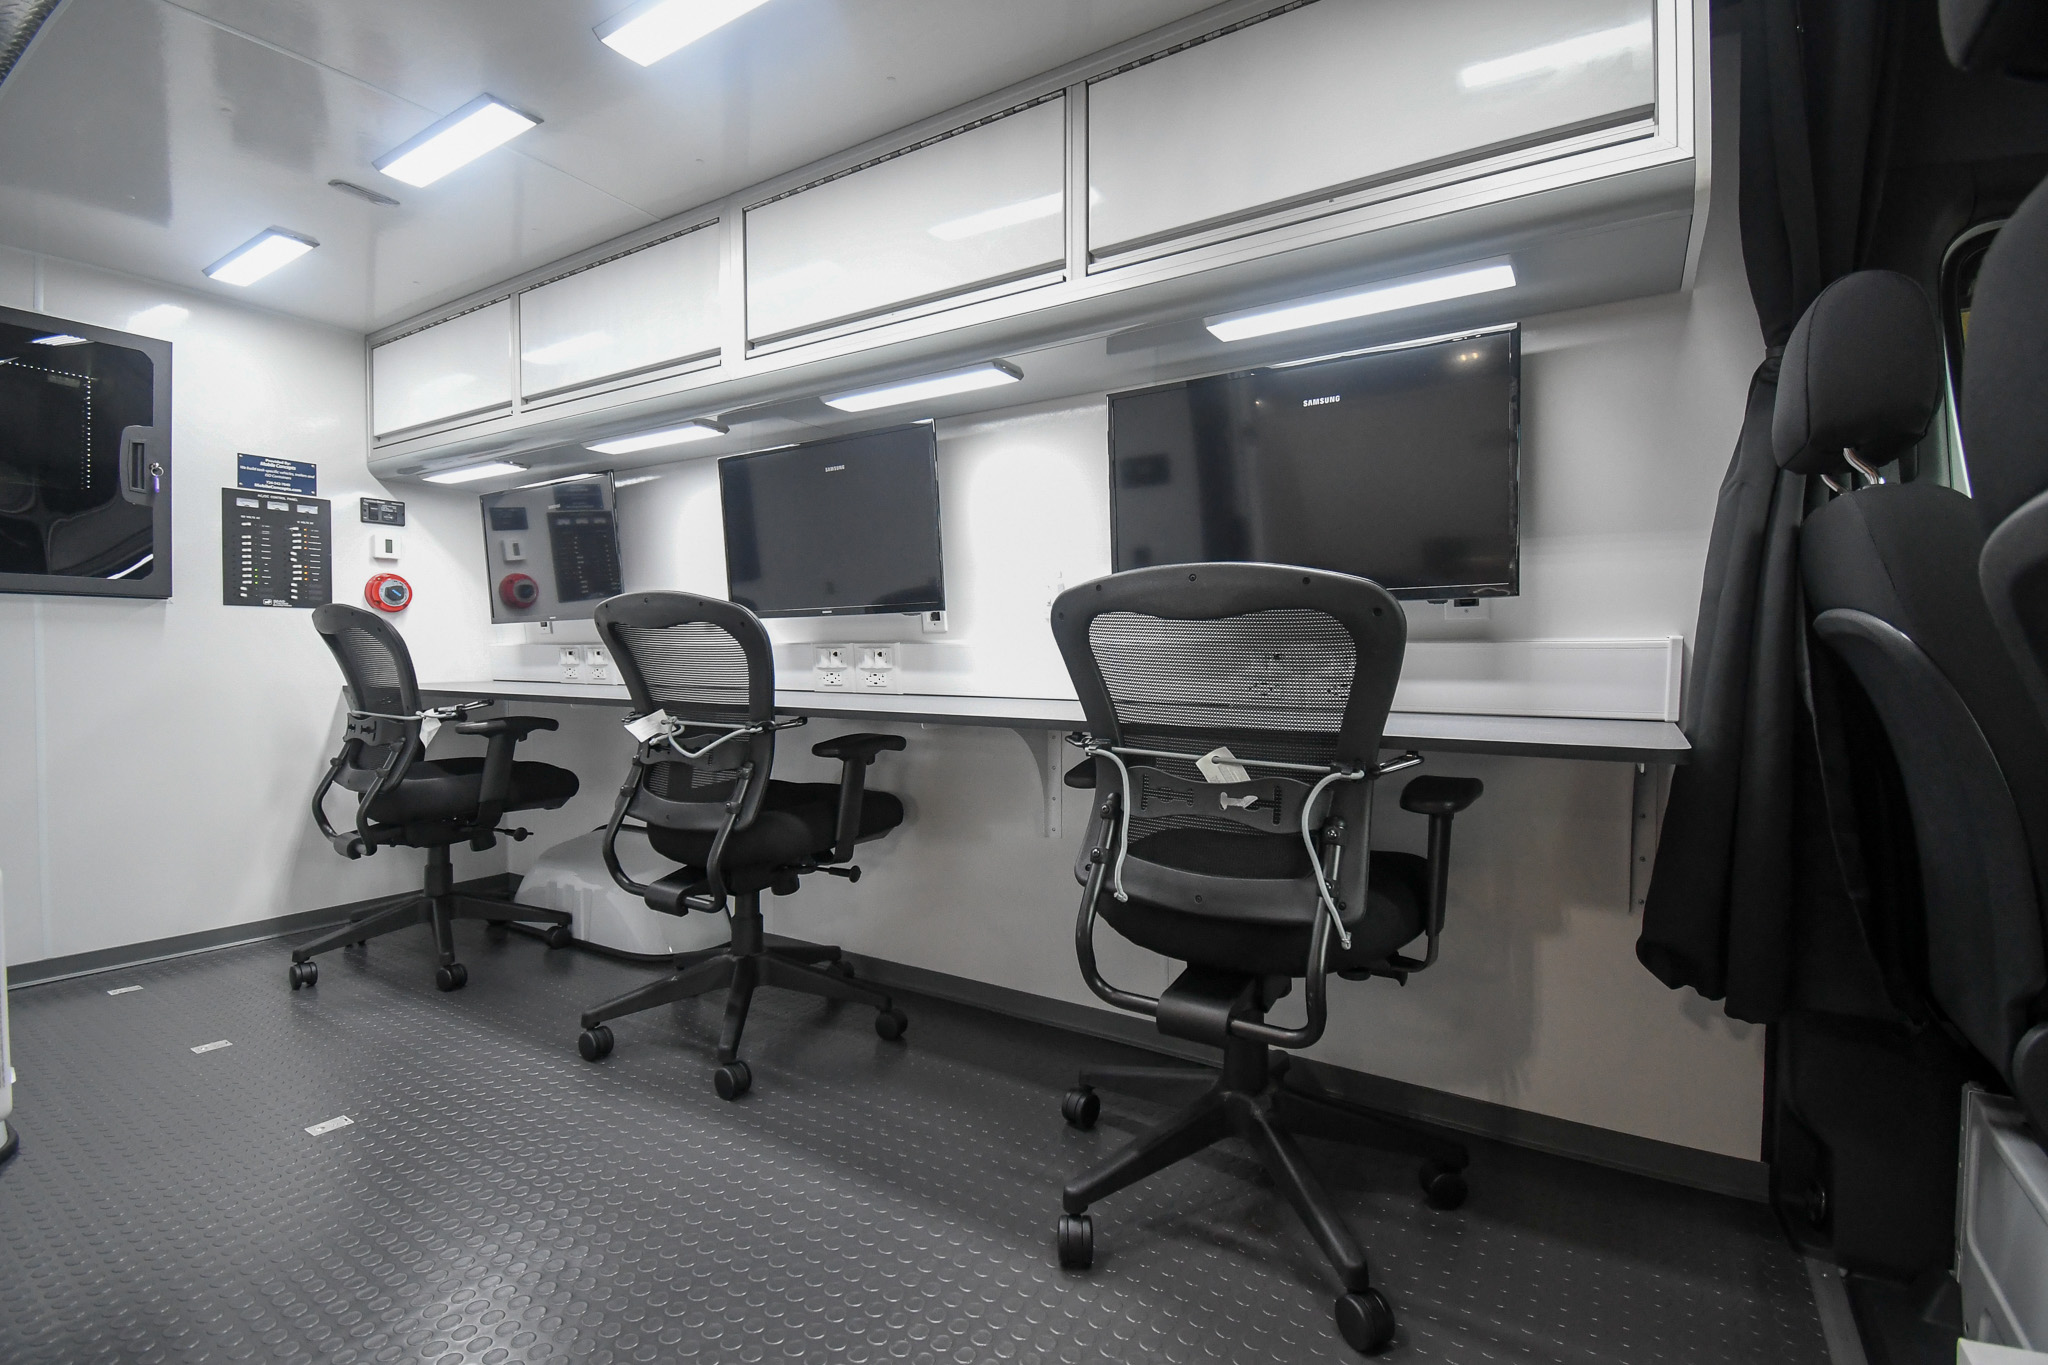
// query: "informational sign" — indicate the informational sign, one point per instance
point(275, 550)
point(269, 475)
point(383, 512)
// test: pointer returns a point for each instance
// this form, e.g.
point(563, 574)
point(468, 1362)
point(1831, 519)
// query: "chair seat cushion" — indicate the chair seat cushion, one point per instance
point(452, 788)
point(1276, 942)
point(797, 821)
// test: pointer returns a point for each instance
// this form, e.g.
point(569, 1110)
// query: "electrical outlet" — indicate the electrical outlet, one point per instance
point(572, 663)
point(878, 680)
point(597, 664)
point(829, 679)
point(1466, 609)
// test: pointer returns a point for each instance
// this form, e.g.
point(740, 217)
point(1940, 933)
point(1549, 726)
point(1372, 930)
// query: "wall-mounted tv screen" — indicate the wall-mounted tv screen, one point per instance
point(85, 459)
point(835, 528)
point(1398, 465)
point(552, 550)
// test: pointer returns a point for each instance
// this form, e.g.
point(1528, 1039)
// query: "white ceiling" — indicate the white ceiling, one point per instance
point(154, 137)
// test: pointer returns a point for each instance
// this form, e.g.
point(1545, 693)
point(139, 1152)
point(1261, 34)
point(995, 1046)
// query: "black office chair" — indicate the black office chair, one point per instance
point(1250, 882)
point(702, 675)
point(1890, 575)
point(407, 799)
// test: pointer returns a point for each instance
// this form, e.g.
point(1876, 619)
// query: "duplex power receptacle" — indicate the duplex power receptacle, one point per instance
point(829, 679)
point(877, 680)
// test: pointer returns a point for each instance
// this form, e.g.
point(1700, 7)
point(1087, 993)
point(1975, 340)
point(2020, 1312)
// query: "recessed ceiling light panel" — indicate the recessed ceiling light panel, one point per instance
point(987, 375)
point(471, 473)
point(261, 254)
point(701, 429)
point(1388, 296)
point(58, 339)
point(653, 29)
point(477, 127)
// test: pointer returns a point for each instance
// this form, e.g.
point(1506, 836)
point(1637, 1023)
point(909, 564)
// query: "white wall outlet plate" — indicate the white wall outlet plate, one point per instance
point(512, 549)
point(933, 622)
point(834, 656)
point(572, 663)
point(877, 656)
point(830, 679)
point(1466, 609)
point(597, 664)
point(385, 545)
point(876, 680)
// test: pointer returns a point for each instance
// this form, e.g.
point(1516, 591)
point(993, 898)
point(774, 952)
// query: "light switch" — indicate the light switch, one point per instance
point(512, 549)
point(384, 545)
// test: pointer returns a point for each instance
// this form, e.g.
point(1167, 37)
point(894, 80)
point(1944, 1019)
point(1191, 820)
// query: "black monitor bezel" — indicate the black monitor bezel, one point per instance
point(1512, 587)
point(930, 430)
point(157, 586)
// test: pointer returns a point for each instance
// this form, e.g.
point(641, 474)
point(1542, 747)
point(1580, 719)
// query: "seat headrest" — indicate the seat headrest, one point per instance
point(1862, 371)
point(2010, 36)
point(2003, 410)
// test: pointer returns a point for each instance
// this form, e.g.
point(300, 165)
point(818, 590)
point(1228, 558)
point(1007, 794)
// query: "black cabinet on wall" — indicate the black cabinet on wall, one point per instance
point(85, 459)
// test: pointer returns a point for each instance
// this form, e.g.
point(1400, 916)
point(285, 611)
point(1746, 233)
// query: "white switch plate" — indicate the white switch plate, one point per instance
point(512, 550)
point(385, 545)
point(933, 622)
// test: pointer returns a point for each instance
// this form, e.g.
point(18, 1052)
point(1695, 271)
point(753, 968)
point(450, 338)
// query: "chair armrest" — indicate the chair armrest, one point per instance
point(518, 727)
point(864, 747)
point(495, 787)
point(1440, 795)
point(854, 753)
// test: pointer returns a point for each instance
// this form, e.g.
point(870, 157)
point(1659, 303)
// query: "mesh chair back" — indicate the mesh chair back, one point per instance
point(709, 664)
point(377, 669)
point(1284, 664)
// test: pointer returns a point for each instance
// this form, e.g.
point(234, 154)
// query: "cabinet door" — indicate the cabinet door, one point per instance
point(458, 368)
point(972, 210)
point(1344, 94)
point(649, 308)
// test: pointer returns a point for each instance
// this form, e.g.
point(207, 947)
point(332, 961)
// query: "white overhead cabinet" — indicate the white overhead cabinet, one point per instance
point(1343, 95)
point(454, 369)
point(646, 310)
point(956, 217)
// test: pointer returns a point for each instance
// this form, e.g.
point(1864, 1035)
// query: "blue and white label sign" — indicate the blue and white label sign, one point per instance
point(277, 476)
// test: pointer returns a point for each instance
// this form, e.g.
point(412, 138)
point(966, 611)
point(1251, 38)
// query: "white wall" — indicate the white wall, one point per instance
point(156, 758)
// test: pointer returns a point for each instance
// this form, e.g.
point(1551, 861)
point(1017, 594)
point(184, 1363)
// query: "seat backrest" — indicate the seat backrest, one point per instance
point(377, 669)
point(1890, 574)
point(1272, 662)
point(709, 664)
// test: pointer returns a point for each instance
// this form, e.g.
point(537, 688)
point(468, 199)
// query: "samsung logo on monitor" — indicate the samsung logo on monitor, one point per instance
point(834, 468)
point(1319, 402)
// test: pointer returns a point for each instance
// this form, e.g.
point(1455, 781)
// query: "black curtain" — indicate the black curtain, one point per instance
point(1733, 864)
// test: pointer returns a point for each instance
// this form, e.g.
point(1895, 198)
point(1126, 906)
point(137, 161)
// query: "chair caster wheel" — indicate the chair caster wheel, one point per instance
point(452, 977)
point(890, 1024)
point(732, 1080)
point(305, 974)
point(498, 931)
point(1080, 1107)
point(1365, 1321)
point(1441, 1187)
point(558, 936)
point(595, 1043)
point(1076, 1241)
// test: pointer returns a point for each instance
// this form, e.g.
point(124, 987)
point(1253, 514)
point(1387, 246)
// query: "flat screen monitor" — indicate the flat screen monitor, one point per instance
point(1398, 465)
point(85, 462)
point(835, 528)
point(552, 551)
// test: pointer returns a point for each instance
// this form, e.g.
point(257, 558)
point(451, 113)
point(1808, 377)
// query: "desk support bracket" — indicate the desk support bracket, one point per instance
point(1049, 752)
point(1646, 824)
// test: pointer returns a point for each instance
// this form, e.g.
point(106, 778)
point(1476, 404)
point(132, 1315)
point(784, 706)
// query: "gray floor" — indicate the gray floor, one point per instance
point(496, 1198)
